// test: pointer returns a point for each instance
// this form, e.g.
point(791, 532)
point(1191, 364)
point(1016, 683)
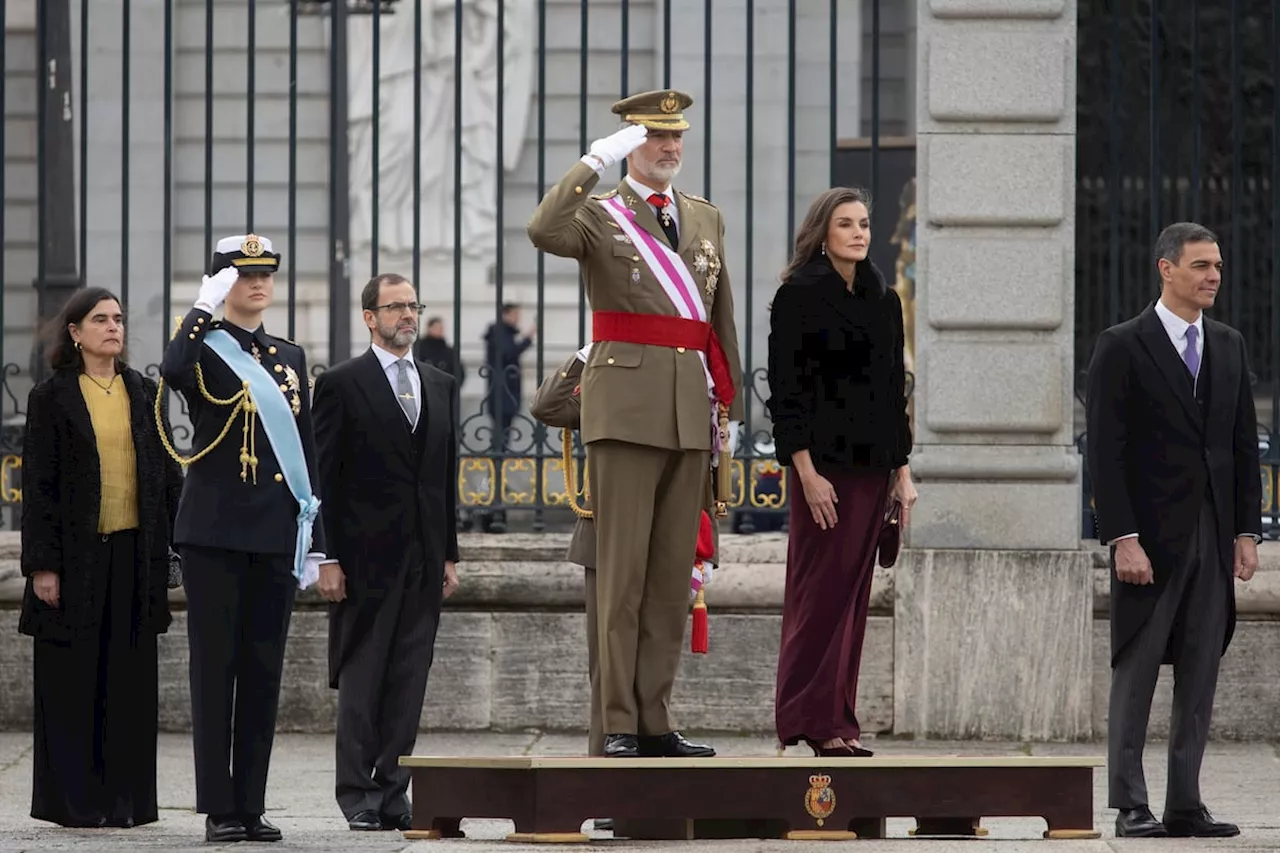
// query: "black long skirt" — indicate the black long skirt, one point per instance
point(96, 705)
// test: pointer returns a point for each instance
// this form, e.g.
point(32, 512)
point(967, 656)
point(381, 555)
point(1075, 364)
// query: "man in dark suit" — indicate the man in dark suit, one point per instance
point(388, 461)
point(1173, 455)
point(247, 527)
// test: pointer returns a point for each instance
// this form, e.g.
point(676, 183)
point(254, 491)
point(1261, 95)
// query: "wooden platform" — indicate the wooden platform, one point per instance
point(549, 798)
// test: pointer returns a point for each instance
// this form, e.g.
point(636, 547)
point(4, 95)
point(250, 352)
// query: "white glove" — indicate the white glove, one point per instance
point(614, 149)
point(735, 427)
point(310, 567)
point(583, 353)
point(214, 289)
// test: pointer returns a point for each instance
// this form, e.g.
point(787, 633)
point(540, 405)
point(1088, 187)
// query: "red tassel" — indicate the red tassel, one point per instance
point(701, 631)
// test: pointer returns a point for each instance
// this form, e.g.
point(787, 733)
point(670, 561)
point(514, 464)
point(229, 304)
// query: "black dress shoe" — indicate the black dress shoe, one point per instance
point(673, 745)
point(365, 821)
point(258, 828)
point(1197, 823)
point(224, 828)
point(621, 746)
point(1138, 822)
point(401, 822)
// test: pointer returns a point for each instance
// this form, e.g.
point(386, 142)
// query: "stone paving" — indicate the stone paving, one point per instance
point(1241, 783)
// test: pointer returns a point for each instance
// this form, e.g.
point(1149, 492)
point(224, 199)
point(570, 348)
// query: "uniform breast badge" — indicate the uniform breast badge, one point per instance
point(635, 275)
point(820, 800)
point(295, 387)
point(255, 352)
point(707, 263)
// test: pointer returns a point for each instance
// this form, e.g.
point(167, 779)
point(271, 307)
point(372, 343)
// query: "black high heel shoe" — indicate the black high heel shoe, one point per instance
point(859, 751)
point(820, 751)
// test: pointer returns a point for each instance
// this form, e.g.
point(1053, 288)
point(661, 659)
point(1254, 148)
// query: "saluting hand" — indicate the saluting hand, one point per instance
point(1132, 565)
point(614, 148)
point(214, 288)
point(45, 585)
point(450, 578)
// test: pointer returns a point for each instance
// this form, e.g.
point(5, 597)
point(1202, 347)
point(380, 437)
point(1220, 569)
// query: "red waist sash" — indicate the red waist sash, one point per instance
point(663, 330)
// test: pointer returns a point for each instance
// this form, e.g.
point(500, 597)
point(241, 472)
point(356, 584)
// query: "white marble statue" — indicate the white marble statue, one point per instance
point(481, 41)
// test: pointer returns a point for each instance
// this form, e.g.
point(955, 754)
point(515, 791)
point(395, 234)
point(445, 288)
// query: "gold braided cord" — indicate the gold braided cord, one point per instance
point(571, 488)
point(240, 402)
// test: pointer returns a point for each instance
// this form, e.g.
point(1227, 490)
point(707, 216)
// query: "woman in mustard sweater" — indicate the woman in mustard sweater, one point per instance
point(98, 495)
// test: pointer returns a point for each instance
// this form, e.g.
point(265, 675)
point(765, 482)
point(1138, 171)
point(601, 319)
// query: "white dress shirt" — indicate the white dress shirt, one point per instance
point(388, 361)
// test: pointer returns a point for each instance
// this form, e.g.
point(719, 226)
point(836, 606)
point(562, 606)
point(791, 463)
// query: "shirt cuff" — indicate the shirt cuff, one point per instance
point(1126, 536)
point(1255, 537)
point(594, 163)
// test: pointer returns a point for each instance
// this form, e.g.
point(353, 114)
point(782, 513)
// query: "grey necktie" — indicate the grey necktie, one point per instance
point(404, 392)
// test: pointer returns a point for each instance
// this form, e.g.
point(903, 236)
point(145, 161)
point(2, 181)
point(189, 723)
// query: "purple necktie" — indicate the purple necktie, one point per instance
point(1191, 357)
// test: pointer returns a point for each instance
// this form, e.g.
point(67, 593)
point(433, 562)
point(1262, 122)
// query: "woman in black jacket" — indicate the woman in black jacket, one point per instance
point(839, 409)
point(99, 494)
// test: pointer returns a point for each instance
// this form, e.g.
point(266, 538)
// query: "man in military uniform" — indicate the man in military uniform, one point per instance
point(658, 386)
point(247, 527)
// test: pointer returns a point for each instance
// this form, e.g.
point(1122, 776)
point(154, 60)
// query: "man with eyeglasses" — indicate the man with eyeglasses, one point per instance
point(388, 460)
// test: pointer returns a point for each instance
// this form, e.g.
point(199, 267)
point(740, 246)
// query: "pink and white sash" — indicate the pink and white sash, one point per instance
point(677, 282)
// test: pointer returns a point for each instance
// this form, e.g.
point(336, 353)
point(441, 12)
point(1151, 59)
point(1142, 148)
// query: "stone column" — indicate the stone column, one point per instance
point(994, 603)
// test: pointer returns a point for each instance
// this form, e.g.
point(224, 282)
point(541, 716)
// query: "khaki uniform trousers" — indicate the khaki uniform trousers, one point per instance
point(647, 503)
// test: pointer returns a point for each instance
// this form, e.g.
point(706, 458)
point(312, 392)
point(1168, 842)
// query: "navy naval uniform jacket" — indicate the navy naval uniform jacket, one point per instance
point(219, 509)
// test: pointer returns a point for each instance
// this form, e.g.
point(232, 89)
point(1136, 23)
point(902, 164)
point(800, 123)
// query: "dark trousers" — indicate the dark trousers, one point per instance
point(1190, 619)
point(381, 689)
point(95, 709)
point(238, 610)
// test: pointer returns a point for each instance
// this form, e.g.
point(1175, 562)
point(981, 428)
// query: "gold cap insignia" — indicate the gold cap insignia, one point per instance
point(252, 246)
point(670, 103)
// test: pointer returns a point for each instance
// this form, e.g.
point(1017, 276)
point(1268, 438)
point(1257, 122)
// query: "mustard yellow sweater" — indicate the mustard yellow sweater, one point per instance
point(109, 413)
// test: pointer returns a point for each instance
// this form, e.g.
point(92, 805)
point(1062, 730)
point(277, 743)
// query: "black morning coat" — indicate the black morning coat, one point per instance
point(61, 496)
point(1155, 452)
point(385, 491)
point(836, 375)
point(218, 508)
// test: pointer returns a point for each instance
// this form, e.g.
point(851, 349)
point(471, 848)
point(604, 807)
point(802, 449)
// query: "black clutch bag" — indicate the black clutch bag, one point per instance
point(175, 569)
point(890, 535)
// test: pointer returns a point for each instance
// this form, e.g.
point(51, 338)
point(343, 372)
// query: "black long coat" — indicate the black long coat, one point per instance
point(1153, 451)
point(61, 495)
point(382, 486)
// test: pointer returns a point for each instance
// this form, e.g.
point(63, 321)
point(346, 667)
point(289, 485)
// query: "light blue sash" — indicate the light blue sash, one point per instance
point(282, 431)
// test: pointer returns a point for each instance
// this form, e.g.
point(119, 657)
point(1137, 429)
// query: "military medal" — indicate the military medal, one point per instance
point(707, 262)
point(635, 275)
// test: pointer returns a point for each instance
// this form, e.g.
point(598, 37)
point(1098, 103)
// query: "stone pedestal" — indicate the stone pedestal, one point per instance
point(993, 641)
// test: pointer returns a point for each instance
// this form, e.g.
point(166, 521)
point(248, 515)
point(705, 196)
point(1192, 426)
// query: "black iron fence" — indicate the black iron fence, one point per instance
point(416, 136)
point(1179, 119)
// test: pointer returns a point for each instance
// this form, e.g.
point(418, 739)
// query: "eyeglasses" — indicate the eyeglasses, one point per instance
point(399, 307)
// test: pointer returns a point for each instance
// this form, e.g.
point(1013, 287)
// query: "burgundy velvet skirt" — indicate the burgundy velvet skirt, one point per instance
point(824, 610)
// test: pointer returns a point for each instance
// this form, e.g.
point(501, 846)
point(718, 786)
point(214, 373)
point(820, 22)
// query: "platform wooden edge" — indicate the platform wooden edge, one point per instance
point(744, 762)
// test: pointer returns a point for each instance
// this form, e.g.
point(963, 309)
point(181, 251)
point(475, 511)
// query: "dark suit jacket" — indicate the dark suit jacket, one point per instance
point(218, 509)
point(383, 489)
point(1154, 452)
point(62, 492)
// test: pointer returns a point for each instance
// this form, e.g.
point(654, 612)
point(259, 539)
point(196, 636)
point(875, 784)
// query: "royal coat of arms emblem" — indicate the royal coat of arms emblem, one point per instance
point(820, 799)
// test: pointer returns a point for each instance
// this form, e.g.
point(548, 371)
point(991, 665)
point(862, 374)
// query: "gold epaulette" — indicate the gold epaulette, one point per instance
point(610, 194)
point(693, 197)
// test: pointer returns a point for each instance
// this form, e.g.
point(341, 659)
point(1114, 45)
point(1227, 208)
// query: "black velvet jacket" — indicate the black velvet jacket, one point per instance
point(61, 494)
point(837, 379)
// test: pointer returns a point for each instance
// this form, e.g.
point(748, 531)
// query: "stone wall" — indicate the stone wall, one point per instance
point(511, 653)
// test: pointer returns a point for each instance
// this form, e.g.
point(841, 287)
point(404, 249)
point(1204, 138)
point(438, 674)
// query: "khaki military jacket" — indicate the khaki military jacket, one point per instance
point(557, 404)
point(650, 395)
